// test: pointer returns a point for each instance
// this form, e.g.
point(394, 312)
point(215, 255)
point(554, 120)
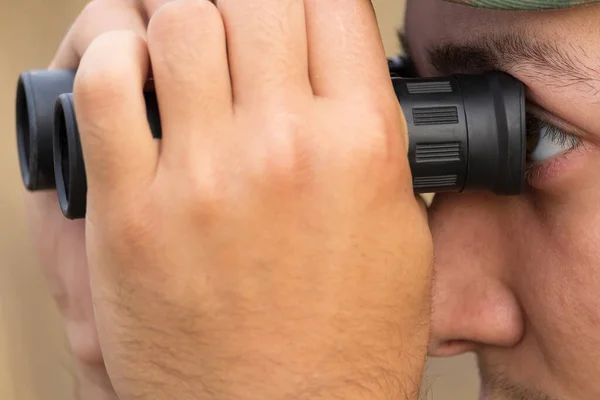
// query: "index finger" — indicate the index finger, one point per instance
point(99, 17)
point(346, 53)
point(151, 6)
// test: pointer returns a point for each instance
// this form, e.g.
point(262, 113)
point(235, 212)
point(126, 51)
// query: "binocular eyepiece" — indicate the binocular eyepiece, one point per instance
point(466, 132)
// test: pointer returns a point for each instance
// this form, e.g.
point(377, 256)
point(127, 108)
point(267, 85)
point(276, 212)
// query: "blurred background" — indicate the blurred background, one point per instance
point(34, 360)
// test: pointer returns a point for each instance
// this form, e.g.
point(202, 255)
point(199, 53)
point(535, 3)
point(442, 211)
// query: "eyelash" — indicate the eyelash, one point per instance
point(556, 134)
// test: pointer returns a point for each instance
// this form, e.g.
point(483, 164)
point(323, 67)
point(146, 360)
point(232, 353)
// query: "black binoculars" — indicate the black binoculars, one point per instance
point(466, 132)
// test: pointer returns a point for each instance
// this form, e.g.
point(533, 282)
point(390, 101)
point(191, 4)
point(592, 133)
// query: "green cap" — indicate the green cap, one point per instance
point(524, 4)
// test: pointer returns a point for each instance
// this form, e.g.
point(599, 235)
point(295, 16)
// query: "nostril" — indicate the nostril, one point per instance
point(472, 314)
point(451, 348)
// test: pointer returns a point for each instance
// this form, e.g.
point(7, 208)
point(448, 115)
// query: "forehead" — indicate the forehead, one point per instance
point(432, 21)
point(575, 32)
point(524, 4)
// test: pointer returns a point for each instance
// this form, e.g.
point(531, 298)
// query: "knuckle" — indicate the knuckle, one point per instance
point(135, 231)
point(133, 227)
point(380, 133)
point(174, 33)
point(92, 9)
point(100, 82)
point(367, 145)
point(285, 150)
point(183, 18)
point(202, 192)
point(95, 9)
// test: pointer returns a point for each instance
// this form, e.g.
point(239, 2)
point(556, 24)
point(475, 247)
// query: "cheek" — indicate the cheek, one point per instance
point(581, 267)
point(560, 285)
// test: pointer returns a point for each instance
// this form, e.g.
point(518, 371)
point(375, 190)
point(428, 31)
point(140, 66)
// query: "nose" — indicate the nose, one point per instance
point(473, 304)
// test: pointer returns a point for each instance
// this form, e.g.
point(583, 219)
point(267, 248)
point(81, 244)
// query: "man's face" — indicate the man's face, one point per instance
point(518, 279)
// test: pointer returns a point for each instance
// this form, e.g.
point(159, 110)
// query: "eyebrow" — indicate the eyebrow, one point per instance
point(542, 60)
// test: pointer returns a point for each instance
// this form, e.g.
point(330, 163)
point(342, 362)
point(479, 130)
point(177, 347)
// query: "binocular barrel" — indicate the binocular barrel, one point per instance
point(466, 132)
point(37, 92)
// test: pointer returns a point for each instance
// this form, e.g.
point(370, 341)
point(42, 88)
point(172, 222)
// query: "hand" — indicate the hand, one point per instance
point(270, 246)
point(61, 242)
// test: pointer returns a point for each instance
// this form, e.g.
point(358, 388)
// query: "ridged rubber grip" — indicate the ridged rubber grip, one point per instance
point(466, 132)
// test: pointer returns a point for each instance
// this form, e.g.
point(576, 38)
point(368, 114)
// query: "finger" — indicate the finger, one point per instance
point(267, 47)
point(98, 17)
point(151, 6)
point(187, 44)
point(116, 140)
point(346, 52)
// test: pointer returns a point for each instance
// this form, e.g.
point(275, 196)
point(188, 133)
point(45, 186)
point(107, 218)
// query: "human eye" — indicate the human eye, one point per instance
point(546, 141)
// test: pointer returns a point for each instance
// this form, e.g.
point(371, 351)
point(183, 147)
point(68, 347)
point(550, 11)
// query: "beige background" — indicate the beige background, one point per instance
point(34, 364)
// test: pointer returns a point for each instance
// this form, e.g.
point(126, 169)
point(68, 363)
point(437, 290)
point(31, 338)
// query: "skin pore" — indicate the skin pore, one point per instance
point(522, 291)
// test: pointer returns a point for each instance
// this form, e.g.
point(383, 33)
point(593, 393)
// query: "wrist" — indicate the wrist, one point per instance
point(93, 383)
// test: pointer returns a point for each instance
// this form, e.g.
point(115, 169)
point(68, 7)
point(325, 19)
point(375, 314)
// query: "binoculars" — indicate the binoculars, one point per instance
point(466, 132)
